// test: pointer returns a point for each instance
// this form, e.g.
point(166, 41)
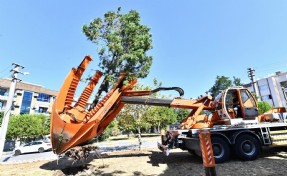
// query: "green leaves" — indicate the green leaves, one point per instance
point(161, 116)
point(1, 117)
point(28, 126)
point(263, 107)
point(133, 117)
point(122, 43)
point(223, 82)
point(181, 114)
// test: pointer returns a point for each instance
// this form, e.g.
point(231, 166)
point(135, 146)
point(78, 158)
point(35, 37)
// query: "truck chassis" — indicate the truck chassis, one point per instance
point(245, 141)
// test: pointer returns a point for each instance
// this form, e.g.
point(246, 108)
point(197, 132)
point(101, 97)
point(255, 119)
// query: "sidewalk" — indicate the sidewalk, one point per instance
point(127, 144)
point(120, 143)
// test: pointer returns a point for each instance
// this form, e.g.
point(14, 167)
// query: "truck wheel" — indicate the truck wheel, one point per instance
point(41, 150)
point(17, 152)
point(221, 149)
point(247, 147)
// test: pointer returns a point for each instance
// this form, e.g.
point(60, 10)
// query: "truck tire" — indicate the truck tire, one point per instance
point(247, 147)
point(221, 149)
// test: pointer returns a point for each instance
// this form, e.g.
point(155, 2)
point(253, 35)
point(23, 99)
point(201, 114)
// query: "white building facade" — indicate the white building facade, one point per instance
point(272, 89)
point(28, 98)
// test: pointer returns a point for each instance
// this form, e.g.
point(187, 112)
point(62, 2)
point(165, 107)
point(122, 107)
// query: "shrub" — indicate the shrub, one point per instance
point(263, 107)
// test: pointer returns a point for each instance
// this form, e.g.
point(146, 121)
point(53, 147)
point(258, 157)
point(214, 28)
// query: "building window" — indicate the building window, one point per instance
point(263, 88)
point(283, 84)
point(42, 110)
point(26, 103)
point(266, 97)
point(12, 107)
point(3, 92)
point(43, 97)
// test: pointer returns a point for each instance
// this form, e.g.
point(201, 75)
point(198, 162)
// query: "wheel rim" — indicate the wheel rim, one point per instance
point(218, 150)
point(248, 147)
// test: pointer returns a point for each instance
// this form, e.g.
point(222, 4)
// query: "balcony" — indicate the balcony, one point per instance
point(4, 97)
point(41, 104)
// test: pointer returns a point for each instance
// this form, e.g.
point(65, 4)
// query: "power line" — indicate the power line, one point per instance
point(5, 72)
point(5, 76)
point(5, 69)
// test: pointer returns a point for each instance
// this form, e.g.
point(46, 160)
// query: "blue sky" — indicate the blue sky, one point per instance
point(194, 41)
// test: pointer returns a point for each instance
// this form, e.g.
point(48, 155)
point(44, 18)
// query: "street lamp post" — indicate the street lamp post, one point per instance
point(251, 76)
point(7, 112)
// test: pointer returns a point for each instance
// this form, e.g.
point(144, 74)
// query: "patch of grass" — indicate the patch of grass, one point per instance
point(135, 136)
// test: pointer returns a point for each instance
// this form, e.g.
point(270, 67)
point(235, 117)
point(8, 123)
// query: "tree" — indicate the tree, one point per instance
point(122, 43)
point(263, 107)
point(45, 123)
point(27, 126)
point(223, 82)
point(1, 117)
point(237, 81)
point(126, 120)
point(181, 114)
point(132, 117)
point(160, 116)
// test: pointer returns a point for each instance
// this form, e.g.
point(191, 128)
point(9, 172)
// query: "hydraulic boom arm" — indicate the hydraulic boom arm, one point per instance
point(72, 125)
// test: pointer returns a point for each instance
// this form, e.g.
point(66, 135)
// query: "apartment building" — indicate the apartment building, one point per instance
point(28, 98)
point(272, 89)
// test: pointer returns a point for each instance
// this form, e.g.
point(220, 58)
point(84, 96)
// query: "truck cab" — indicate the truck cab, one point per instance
point(234, 105)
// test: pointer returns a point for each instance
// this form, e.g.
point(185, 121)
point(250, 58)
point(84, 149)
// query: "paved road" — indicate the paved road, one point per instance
point(28, 157)
point(104, 147)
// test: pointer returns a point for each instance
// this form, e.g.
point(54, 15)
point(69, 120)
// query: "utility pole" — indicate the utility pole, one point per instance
point(7, 112)
point(251, 76)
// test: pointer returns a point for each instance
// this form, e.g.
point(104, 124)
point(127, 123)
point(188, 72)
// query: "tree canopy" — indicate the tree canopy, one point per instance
point(223, 82)
point(181, 114)
point(132, 116)
point(28, 126)
point(122, 44)
point(160, 117)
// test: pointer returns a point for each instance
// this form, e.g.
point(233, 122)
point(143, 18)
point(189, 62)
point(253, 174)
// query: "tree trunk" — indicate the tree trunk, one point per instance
point(130, 134)
point(104, 87)
point(140, 138)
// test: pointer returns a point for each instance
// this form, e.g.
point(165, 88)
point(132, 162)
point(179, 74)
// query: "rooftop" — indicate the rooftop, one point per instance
point(5, 83)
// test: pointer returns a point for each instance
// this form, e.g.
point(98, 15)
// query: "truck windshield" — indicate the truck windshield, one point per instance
point(247, 99)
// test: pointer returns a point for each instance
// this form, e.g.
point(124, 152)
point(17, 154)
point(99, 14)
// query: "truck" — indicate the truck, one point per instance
point(234, 129)
point(232, 118)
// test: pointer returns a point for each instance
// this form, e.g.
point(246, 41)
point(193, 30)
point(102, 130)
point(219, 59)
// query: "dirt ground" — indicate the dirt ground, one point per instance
point(151, 162)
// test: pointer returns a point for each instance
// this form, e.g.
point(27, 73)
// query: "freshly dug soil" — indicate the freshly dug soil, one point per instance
point(272, 161)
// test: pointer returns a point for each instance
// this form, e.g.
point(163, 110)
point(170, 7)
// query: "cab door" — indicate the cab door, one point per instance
point(248, 104)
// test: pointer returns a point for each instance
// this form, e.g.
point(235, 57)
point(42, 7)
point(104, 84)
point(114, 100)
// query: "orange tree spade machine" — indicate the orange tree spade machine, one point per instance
point(232, 118)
